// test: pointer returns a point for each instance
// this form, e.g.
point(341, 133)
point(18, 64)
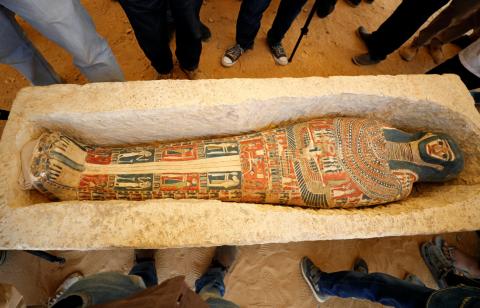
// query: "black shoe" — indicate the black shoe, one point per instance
point(363, 35)
point(206, 33)
point(364, 59)
point(353, 3)
point(325, 8)
point(360, 266)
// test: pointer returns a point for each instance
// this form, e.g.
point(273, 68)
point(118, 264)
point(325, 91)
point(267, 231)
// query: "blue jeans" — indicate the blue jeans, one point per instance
point(211, 288)
point(250, 17)
point(64, 22)
point(376, 287)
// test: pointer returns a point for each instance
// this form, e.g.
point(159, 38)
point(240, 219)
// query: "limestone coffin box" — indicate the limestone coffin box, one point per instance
point(141, 112)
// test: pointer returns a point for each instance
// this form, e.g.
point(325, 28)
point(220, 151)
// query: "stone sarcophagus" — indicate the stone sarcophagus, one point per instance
point(230, 140)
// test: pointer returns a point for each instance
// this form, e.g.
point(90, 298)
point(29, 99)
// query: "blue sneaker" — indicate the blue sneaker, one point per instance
point(312, 275)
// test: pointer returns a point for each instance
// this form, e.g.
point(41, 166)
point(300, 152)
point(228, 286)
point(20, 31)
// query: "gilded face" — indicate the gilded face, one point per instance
point(440, 149)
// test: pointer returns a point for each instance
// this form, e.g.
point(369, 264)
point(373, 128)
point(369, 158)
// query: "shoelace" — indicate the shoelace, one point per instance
point(234, 52)
point(278, 51)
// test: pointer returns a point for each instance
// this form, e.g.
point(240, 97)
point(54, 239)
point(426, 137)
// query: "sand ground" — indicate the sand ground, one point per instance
point(265, 275)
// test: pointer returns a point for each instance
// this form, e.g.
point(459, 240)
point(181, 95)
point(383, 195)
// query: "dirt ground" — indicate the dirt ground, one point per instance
point(265, 275)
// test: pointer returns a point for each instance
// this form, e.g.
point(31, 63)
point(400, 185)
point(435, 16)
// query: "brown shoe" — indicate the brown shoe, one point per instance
point(164, 76)
point(408, 53)
point(191, 74)
point(435, 51)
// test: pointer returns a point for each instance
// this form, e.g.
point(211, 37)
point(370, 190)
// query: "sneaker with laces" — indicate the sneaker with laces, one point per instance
point(66, 284)
point(231, 55)
point(312, 275)
point(278, 53)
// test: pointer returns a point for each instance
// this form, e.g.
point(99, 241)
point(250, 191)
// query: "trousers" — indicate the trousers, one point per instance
point(451, 23)
point(149, 21)
point(407, 18)
point(64, 22)
point(250, 17)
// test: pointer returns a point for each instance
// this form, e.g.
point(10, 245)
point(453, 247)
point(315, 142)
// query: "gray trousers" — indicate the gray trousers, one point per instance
point(459, 17)
point(64, 22)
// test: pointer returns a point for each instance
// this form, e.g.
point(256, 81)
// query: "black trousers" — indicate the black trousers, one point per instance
point(149, 21)
point(407, 18)
point(454, 66)
point(250, 17)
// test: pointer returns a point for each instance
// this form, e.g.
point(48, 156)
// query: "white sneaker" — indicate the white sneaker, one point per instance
point(231, 55)
point(279, 54)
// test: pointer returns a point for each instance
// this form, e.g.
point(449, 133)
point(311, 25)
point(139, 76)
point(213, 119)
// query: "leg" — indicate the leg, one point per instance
point(248, 22)
point(210, 286)
point(376, 287)
point(455, 9)
point(400, 26)
point(17, 50)
point(149, 21)
point(69, 25)
point(454, 66)
point(206, 34)
point(188, 34)
point(460, 28)
point(288, 10)
point(145, 266)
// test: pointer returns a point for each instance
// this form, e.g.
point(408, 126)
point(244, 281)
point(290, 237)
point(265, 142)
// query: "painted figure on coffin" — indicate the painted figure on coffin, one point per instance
point(322, 163)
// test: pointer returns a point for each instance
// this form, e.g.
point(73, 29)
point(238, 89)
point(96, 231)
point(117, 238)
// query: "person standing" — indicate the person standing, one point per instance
point(65, 22)
point(248, 24)
point(459, 17)
point(407, 18)
point(149, 21)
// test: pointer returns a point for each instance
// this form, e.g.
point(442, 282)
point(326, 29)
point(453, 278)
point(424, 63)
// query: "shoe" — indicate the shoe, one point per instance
point(435, 51)
point(312, 275)
point(225, 256)
point(191, 74)
point(364, 59)
point(232, 55)
point(360, 266)
point(436, 262)
point(66, 284)
point(278, 54)
point(353, 3)
point(363, 35)
point(414, 279)
point(142, 255)
point(165, 76)
point(325, 8)
point(206, 33)
point(408, 53)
